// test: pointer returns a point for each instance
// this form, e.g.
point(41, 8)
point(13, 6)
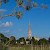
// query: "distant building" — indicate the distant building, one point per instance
point(36, 38)
point(27, 41)
point(21, 42)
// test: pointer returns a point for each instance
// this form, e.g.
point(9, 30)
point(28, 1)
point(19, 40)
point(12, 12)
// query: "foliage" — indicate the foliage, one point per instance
point(49, 40)
point(35, 42)
point(1, 46)
point(27, 39)
point(1, 35)
point(5, 1)
point(22, 39)
point(5, 39)
point(43, 41)
point(12, 40)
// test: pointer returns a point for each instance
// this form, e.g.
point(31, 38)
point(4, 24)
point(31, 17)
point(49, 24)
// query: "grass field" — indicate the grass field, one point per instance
point(28, 47)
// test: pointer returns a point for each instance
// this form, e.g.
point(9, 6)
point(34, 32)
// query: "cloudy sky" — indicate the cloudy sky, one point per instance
point(39, 20)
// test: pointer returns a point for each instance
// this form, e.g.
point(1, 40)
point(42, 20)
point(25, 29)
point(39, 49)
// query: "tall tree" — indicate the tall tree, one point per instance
point(49, 40)
point(35, 42)
point(2, 37)
point(12, 40)
point(43, 41)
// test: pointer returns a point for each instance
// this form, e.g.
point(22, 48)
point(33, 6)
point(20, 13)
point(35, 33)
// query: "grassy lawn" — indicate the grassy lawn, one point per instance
point(28, 47)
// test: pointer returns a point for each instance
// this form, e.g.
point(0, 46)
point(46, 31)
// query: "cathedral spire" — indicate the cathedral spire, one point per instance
point(29, 26)
point(29, 31)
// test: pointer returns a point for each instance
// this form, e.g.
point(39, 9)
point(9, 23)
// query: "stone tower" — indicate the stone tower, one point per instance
point(29, 32)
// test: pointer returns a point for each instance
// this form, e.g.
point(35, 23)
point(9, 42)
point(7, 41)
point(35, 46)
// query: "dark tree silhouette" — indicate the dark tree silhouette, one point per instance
point(42, 41)
point(12, 40)
point(49, 40)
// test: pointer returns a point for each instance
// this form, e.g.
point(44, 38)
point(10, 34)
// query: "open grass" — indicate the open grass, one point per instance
point(28, 47)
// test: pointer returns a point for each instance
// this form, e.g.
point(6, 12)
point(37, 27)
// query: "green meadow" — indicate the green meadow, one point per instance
point(28, 47)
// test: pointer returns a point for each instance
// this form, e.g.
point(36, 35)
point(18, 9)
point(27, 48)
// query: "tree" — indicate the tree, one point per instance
point(6, 39)
point(12, 40)
point(49, 40)
point(18, 41)
point(1, 37)
point(25, 4)
point(22, 39)
point(1, 46)
point(1, 41)
point(35, 42)
point(42, 41)
point(5, 1)
point(27, 40)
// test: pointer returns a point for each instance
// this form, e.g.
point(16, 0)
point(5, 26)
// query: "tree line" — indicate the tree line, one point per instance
point(12, 40)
